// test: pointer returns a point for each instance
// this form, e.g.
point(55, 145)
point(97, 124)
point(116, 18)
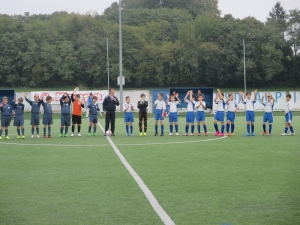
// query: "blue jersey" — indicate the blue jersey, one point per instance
point(65, 106)
point(94, 108)
point(47, 107)
point(35, 106)
point(19, 108)
point(6, 110)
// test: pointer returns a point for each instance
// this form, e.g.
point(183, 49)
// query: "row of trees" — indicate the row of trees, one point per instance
point(165, 43)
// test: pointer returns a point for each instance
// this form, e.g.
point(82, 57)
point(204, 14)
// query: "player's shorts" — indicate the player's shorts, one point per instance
point(93, 118)
point(190, 117)
point(35, 119)
point(128, 117)
point(5, 121)
point(250, 116)
point(173, 117)
point(47, 119)
point(19, 120)
point(200, 116)
point(231, 116)
point(65, 120)
point(219, 116)
point(76, 119)
point(289, 117)
point(158, 114)
point(268, 117)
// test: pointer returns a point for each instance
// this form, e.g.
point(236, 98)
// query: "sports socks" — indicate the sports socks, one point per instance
point(131, 129)
point(252, 128)
point(127, 129)
point(90, 128)
point(156, 129)
point(44, 130)
point(61, 130)
point(23, 131)
point(95, 129)
point(32, 130)
point(66, 129)
point(176, 128)
point(171, 128)
point(270, 128)
point(292, 129)
point(222, 129)
point(286, 129)
point(6, 132)
point(198, 128)
point(227, 127)
point(18, 131)
point(248, 128)
point(37, 130)
point(192, 128)
point(232, 127)
point(264, 128)
point(216, 127)
point(162, 128)
point(186, 128)
point(205, 129)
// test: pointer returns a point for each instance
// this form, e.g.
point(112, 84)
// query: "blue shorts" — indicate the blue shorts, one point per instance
point(289, 117)
point(200, 116)
point(268, 117)
point(93, 118)
point(173, 117)
point(128, 117)
point(219, 116)
point(190, 117)
point(35, 119)
point(250, 116)
point(19, 120)
point(231, 116)
point(5, 121)
point(47, 119)
point(65, 120)
point(158, 114)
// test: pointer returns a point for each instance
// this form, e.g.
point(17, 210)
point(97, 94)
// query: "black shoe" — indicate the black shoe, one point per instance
point(162, 135)
point(112, 134)
point(156, 134)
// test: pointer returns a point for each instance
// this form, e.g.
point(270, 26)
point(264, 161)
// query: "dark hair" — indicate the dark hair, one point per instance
point(95, 97)
point(64, 97)
point(161, 94)
point(20, 99)
point(111, 89)
point(143, 95)
point(78, 95)
point(127, 97)
point(288, 96)
point(248, 93)
point(48, 98)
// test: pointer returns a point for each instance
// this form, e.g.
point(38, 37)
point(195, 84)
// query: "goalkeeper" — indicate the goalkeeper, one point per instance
point(143, 108)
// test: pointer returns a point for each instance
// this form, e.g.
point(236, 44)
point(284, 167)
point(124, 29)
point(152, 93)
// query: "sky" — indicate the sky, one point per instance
point(238, 8)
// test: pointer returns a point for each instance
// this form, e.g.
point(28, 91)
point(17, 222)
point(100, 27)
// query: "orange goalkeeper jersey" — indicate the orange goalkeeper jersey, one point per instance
point(77, 108)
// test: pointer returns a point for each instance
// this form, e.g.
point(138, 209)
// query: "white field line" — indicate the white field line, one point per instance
point(151, 198)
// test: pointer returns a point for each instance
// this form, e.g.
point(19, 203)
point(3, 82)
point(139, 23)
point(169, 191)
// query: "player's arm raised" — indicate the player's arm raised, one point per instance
point(220, 95)
point(187, 94)
point(242, 95)
point(255, 94)
point(167, 101)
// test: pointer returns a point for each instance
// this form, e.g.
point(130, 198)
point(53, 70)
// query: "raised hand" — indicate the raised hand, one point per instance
point(255, 91)
point(241, 93)
point(1, 104)
point(25, 94)
point(168, 96)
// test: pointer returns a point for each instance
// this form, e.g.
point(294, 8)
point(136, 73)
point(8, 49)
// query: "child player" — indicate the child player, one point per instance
point(5, 117)
point(128, 116)
point(35, 114)
point(232, 108)
point(47, 117)
point(76, 115)
point(65, 116)
point(190, 117)
point(268, 115)
point(142, 106)
point(250, 115)
point(173, 113)
point(19, 117)
point(200, 105)
point(159, 114)
point(93, 110)
point(219, 100)
point(288, 116)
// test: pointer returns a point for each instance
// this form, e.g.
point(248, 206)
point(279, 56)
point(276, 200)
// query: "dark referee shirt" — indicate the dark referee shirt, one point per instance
point(109, 104)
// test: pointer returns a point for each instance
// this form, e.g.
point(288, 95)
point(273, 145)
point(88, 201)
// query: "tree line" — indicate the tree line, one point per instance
point(165, 43)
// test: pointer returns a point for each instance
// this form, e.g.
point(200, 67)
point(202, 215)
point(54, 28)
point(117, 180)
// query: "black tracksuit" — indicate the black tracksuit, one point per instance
point(143, 115)
point(110, 107)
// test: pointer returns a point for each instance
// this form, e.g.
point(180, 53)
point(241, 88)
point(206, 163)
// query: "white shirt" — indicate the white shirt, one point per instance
point(190, 106)
point(288, 107)
point(249, 104)
point(220, 105)
point(202, 107)
point(126, 105)
point(268, 106)
point(232, 105)
point(173, 106)
point(161, 105)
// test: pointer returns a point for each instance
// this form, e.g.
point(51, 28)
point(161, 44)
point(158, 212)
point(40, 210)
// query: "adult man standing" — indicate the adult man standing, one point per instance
point(109, 106)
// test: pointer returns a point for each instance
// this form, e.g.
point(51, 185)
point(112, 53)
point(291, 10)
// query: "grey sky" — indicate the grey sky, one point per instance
point(238, 8)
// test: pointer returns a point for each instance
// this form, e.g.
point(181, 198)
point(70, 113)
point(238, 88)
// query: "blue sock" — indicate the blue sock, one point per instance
point(186, 128)
point(37, 130)
point(95, 129)
point(216, 127)
point(192, 128)
point(270, 129)
point(23, 131)
point(176, 128)
point(131, 129)
point(222, 129)
point(6, 132)
point(171, 128)
point(286, 130)
point(248, 128)
point(264, 127)
point(49, 130)
point(127, 129)
point(44, 130)
point(252, 128)
point(18, 131)
point(90, 129)
point(205, 129)
point(1, 132)
point(198, 128)
point(232, 127)
point(32, 130)
point(227, 127)
point(162, 128)
point(61, 130)
point(66, 129)
point(156, 129)
point(292, 129)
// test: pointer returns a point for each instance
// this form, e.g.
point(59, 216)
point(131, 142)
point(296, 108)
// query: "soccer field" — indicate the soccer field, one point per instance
point(196, 180)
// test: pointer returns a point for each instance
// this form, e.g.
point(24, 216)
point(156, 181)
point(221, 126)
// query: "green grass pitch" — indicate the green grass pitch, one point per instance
point(197, 180)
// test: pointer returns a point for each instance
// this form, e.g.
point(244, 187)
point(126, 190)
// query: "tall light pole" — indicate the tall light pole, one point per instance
point(107, 65)
point(120, 56)
point(244, 50)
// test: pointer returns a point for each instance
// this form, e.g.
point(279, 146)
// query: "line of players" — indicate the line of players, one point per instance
point(172, 101)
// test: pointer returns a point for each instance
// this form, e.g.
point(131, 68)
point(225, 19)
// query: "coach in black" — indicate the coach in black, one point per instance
point(109, 108)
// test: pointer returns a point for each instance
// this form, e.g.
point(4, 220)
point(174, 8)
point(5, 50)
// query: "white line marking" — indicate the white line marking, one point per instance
point(151, 198)
point(55, 145)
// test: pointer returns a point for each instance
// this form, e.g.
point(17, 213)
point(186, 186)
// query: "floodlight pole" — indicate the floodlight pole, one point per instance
point(120, 56)
point(244, 49)
point(107, 65)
